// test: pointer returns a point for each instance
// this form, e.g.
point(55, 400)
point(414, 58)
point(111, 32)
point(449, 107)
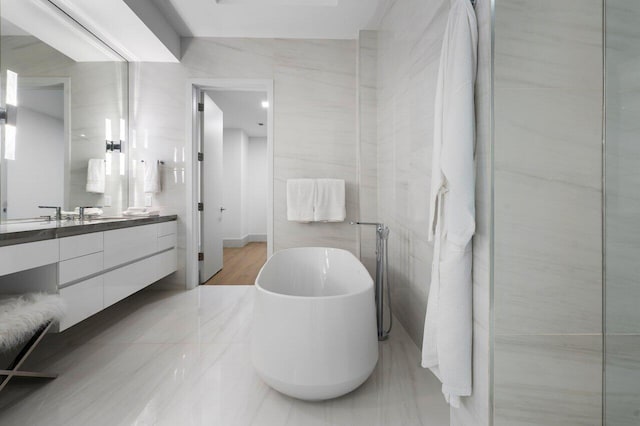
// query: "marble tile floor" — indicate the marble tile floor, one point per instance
point(183, 358)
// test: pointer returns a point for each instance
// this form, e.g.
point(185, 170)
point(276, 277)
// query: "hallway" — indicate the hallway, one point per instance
point(241, 265)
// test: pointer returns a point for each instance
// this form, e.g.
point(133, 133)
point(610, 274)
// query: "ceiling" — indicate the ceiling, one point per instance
point(242, 110)
point(151, 30)
point(316, 19)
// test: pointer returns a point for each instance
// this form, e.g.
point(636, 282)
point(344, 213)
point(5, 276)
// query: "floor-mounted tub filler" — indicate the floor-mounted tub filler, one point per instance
point(314, 325)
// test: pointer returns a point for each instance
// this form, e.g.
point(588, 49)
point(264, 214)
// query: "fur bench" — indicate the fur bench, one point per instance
point(25, 319)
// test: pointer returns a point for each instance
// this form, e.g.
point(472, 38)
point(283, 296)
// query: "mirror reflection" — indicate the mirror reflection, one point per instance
point(64, 125)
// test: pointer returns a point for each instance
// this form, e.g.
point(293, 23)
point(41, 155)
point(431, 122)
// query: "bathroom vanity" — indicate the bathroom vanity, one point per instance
point(91, 264)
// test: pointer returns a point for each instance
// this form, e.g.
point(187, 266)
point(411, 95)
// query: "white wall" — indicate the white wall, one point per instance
point(257, 187)
point(245, 188)
point(234, 194)
point(36, 176)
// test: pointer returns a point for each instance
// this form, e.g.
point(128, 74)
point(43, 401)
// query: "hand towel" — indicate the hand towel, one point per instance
point(142, 211)
point(96, 176)
point(301, 195)
point(447, 342)
point(152, 177)
point(329, 203)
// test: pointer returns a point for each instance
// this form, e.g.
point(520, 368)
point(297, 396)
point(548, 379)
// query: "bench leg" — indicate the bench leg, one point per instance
point(13, 370)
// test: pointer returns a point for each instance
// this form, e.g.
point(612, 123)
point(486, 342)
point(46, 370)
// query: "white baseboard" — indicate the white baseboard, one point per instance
point(257, 238)
point(241, 242)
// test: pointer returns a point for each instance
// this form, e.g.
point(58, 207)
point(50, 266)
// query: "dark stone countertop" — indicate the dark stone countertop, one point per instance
point(30, 230)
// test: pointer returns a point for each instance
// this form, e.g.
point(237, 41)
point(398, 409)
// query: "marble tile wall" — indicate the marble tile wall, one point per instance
point(548, 212)
point(368, 144)
point(409, 43)
point(623, 213)
point(314, 121)
point(408, 52)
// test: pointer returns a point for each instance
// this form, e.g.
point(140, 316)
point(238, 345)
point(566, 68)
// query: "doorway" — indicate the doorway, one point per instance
point(232, 186)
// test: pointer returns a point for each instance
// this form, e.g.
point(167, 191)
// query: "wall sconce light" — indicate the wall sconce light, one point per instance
point(111, 144)
point(9, 116)
point(10, 142)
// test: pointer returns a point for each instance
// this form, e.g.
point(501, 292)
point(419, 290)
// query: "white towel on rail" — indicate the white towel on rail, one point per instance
point(152, 177)
point(330, 201)
point(447, 342)
point(96, 176)
point(301, 196)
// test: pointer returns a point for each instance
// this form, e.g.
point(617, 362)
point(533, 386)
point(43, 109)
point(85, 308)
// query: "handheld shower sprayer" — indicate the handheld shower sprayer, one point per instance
point(382, 281)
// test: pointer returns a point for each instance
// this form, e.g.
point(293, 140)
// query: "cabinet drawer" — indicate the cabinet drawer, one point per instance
point(28, 255)
point(74, 269)
point(167, 242)
point(167, 228)
point(125, 281)
point(126, 245)
point(167, 263)
point(80, 245)
point(83, 300)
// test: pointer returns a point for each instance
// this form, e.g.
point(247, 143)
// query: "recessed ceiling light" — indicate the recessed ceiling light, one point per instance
point(265, 104)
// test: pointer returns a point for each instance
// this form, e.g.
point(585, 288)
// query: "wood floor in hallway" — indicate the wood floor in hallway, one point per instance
point(241, 265)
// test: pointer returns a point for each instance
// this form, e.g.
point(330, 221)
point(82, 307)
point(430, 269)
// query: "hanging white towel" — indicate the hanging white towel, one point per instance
point(447, 342)
point(152, 177)
point(301, 195)
point(96, 176)
point(329, 204)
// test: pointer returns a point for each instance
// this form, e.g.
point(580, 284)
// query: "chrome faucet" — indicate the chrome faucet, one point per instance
point(81, 210)
point(58, 211)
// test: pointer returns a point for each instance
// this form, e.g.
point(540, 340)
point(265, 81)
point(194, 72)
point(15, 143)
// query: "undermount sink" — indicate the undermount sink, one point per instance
point(98, 218)
point(26, 220)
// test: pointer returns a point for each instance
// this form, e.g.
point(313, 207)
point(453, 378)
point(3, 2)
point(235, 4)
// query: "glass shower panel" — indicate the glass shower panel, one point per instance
point(622, 223)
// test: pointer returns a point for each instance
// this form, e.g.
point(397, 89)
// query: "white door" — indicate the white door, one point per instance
point(211, 187)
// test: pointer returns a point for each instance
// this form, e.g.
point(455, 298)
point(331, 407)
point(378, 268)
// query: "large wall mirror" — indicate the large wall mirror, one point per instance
point(66, 102)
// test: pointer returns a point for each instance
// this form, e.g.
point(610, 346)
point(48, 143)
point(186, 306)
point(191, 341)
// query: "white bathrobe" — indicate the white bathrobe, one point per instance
point(446, 348)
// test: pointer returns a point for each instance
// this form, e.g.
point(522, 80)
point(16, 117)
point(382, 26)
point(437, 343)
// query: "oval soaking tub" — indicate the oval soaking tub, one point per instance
point(314, 323)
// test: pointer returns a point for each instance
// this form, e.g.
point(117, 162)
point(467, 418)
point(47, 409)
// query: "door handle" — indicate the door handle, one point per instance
point(222, 209)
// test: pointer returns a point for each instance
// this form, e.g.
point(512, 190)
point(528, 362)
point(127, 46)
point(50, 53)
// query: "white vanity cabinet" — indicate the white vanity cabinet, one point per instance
point(92, 270)
point(21, 257)
point(99, 269)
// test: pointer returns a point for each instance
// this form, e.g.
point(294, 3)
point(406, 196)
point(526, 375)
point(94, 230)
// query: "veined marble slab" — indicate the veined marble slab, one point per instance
point(183, 358)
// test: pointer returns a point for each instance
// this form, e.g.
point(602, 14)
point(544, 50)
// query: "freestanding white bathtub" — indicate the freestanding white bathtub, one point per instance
point(314, 324)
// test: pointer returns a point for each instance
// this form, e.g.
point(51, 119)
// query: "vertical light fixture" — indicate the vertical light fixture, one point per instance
point(122, 139)
point(122, 131)
point(122, 164)
point(108, 163)
point(109, 139)
point(10, 115)
point(10, 142)
point(107, 130)
point(12, 88)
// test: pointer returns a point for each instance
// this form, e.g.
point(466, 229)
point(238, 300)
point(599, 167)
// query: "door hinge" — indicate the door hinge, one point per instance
point(200, 156)
point(200, 107)
point(200, 256)
point(200, 207)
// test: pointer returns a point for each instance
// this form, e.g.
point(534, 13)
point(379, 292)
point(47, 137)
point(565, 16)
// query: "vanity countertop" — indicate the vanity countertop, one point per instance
point(27, 231)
